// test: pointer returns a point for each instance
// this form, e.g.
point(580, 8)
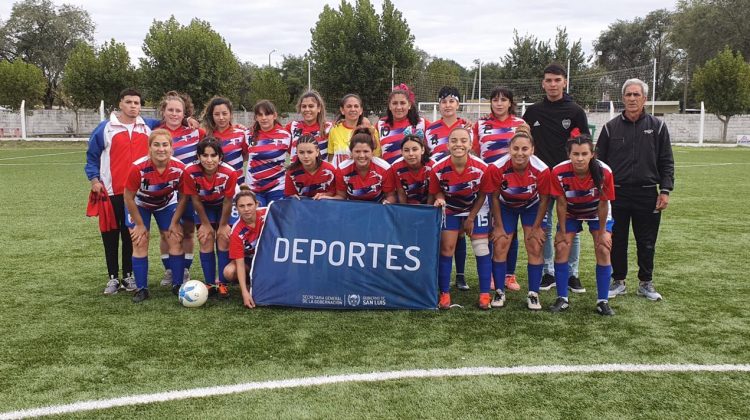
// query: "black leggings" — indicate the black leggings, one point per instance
point(111, 241)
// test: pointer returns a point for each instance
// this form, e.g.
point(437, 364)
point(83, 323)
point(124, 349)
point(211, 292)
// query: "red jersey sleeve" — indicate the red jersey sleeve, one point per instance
point(608, 186)
point(134, 179)
point(389, 183)
point(340, 184)
point(475, 139)
point(231, 185)
point(555, 186)
point(489, 182)
point(434, 183)
point(543, 183)
point(289, 189)
point(236, 248)
point(187, 186)
point(201, 133)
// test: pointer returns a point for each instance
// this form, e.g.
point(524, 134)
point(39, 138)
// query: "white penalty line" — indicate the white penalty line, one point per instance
point(363, 377)
point(711, 164)
point(42, 155)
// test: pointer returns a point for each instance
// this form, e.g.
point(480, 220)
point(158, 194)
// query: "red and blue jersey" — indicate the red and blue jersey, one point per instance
point(436, 135)
point(210, 189)
point(305, 184)
point(414, 183)
point(267, 156)
point(371, 187)
point(492, 136)
point(234, 145)
point(519, 190)
point(185, 142)
point(154, 190)
point(299, 128)
point(244, 239)
point(581, 193)
point(391, 136)
point(460, 189)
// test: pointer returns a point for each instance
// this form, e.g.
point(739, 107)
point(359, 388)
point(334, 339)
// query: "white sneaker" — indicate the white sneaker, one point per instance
point(532, 301)
point(646, 288)
point(129, 283)
point(498, 301)
point(113, 286)
point(617, 288)
point(167, 280)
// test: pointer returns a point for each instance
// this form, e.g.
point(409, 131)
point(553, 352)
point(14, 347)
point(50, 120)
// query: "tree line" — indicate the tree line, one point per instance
point(48, 57)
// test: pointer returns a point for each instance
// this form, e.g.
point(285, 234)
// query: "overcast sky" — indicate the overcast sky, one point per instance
point(462, 30)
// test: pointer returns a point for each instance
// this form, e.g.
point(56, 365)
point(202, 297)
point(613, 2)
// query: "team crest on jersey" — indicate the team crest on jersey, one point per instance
point(384, 131)
point(566, 123)
point(353, 300)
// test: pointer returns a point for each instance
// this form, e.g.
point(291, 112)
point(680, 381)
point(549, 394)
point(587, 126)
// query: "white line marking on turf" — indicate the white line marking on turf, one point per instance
point(42, 163)
point(361, 377)
point(712, 164)
point(42, 155)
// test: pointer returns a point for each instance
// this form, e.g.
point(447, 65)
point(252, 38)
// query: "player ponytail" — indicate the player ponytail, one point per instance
point(245, 192)
point(362, 135)
point(595, 169)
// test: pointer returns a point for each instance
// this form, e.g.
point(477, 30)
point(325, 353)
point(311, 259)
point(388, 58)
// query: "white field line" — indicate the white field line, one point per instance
point(42, 155)
point(362, 377)
point(42, 164)
point(711, 164)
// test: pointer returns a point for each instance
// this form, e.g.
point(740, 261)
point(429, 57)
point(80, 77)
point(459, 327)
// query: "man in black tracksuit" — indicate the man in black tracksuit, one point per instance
point(554, 120)
point(636, 146)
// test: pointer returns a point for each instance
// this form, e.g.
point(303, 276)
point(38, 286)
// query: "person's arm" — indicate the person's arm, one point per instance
point(561, 205)
point(226, 211)
point(478, 203)
point(247, 297)
point(602, 236)
point(390, 198)
point(139, 233)
point(175, 229)
point(93, 158)
point(665, 163)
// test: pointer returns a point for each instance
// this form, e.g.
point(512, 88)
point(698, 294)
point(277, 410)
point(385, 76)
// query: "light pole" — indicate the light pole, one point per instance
point(269, 56)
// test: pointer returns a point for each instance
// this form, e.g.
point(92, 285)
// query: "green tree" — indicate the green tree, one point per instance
point(21, 81)
point(268, 84)
point(353, 49)
point(704, 27)
point(527, 57)
point(724, 85)
point(294, 76)
point(247, 72)
point(193, 59)
point(39, 33)
point(94, 75)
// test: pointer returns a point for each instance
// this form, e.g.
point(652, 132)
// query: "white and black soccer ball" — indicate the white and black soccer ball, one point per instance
point(193, 294)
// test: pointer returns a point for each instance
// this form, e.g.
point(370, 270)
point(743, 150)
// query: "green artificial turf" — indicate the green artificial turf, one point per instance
point(64, 341)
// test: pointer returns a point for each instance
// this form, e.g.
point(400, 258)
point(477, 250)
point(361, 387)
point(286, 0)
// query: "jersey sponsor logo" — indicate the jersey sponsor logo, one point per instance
point(648, 131)
point(536, 124)
point(566, 123)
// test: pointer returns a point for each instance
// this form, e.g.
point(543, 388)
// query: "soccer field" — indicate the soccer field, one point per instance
point(63, 341)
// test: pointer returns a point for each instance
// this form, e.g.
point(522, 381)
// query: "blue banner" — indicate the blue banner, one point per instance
point(339, 254)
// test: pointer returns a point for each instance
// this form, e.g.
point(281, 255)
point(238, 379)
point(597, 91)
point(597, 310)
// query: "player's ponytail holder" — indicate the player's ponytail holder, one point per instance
point(405, 88)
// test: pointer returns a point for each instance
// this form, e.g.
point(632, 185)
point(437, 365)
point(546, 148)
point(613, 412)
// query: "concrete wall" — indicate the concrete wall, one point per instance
point(62, 123)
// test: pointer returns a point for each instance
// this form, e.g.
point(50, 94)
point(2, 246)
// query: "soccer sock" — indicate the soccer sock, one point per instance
point(484, 270)
point(208, 263)
point(223, 261)
point(535, 276)
point(444, 273)
point(498, 270)
point(460, 256)
point(603, 273)
point(165, 261)
point(188, 261)
point(561, 278)
point(177, 264)
point(140, 271)
point(512, 257)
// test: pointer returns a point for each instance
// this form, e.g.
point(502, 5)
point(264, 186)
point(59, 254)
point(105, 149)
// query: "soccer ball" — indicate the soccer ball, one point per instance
point(193, 293)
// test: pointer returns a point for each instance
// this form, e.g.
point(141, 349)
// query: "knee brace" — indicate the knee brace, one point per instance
point(480, 247)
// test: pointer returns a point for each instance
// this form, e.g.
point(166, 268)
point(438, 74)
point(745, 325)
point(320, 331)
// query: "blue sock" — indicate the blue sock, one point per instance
point(140, 271)
point(165, 261)
point(535, 276)
point(188, 261)
point(603, 273)
point(498, 271)
point(444, 273)
point(460, 256)
point(484, 270)
point(223, 261)
point(177, 264)
point(561, 278)
point(208, 263)
point(512, 257)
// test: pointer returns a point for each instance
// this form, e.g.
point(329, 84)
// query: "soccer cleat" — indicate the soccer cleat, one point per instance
point(560, 305)
point(511, 283)
point(445, 301)
point(176, 289)
point(129, 283)
point(461, 282)
point(646, 288)
point(113, 285)
point(602, 308)
point(167, 280)
point(617, 288)
point(532, 302)
point(498, 301)
point(575, 286)
point(212, 289)
point(140, 295)
point(186, 276)
point(484, 301)
point(223, 290)
point(548, 282)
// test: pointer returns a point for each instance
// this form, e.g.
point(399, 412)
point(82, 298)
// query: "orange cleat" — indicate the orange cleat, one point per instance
point(511, 283)
point(445, 301)
point(484, 301)
point(223, 290)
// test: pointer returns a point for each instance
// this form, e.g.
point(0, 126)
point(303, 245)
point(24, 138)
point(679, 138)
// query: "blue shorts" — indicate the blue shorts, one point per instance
point(163, 217)
point(266, 197)
point(189, 214)
point(573, 225)
point(528, 216)
point(214, 215)
point(481, 223)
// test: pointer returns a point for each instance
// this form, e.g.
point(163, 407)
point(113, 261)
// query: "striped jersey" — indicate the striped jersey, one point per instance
point(461, 190)
point(391, 136)
point(243, 240)
point(305, 184)
point(581, 193)
point(492, 136)
point(371, 187)
point(299, 128)
point(185, 142)
point(234, 145)
point(519, 190)
point(436, 135)
point(154, 190)
point(210, 189)
point(267, 153)
point(414, 183)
